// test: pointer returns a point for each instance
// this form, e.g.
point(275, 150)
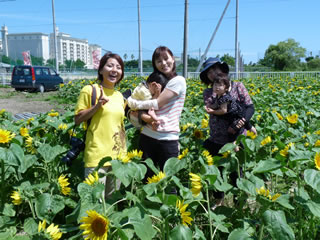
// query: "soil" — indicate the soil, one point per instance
point(17, 102)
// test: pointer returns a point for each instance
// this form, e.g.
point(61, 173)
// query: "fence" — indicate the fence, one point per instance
point(5, 78)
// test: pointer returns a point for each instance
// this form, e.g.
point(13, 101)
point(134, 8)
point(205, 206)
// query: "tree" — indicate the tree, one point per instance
point(125, 56)
point(314, 64)
point(79, 64)
point(285, 55)
point(228, 59)
point(132, 57)
point(37, 60)
point(5, 59)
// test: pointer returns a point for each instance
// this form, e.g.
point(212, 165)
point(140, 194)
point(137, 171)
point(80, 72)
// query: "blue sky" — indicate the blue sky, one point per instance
point(113, 24)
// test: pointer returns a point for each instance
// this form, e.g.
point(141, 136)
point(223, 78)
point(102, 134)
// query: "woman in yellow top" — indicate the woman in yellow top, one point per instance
point(105, 134)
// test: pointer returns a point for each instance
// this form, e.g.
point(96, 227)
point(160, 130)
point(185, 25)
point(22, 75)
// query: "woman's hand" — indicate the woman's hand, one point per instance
point(102, 99)
point(209, 110)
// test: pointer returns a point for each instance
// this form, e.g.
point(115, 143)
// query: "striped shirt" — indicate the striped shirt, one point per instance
point(169, 114)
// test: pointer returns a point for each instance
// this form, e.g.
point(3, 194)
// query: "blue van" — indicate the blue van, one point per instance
point(36, 78)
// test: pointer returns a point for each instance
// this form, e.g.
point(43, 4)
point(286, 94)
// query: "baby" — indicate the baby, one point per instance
point(146, 91)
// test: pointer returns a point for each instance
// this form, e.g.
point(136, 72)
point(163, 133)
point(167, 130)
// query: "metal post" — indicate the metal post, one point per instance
point(140, 65)
point(55, 38)
point(185, 41)
point(212, 37)
point(236, 54)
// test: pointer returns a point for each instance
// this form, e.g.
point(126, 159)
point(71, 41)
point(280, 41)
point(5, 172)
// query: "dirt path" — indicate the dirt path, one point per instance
point(21, 102)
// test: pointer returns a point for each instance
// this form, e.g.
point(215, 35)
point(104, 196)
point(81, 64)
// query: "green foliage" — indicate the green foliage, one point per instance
point(284, 56)
point(276, 198)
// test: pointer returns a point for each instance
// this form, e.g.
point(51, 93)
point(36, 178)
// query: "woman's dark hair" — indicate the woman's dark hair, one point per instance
point(162, 51)
point(223, 79)
point(158, 77)
point(103, 61)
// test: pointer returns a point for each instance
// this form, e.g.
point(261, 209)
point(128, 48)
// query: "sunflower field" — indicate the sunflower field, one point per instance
point(276, 197)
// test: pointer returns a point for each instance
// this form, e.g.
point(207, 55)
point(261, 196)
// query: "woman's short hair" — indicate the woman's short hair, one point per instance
point(103, 61)
point(162, 51)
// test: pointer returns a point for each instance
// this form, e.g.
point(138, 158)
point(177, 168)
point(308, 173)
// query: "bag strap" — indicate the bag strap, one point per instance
point(93, 102)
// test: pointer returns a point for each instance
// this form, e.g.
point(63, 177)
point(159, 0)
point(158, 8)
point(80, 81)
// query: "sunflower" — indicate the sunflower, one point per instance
point(204, 123)
point(92, 178)
point(42, 226)
point(279, 116)
point(251, 134)
point(317, 160)
point(2, 111)
point(183, 154)
point(198, 134)
point(63, 182)
point(54, 232)
point(196, 185)
point(156, 178)
point(16, 198)
point(24, 132)
point(53, 114)
point(317, 143)
point(262, 191)
point(95, 226)
point(293, 119)
point(185, 216)
point(135, 153)
point(208, 157)
point(6, 136)
point(62, 126)
point(275, 197)
point(266, 141)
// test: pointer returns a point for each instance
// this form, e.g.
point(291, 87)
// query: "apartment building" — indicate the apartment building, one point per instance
point(42, 45)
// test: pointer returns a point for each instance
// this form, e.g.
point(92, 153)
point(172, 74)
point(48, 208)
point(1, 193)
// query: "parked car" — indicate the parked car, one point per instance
point(36, 78)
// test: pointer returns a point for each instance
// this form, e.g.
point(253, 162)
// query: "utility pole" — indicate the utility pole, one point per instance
point(140, 65)
point(55, 38)
point(236, 54)
point(185, 41)
point(212, 37)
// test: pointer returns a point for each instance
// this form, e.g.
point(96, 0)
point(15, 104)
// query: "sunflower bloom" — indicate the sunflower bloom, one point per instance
point(293, 119)
point(251, 134)
point(317, 143)
point(262, 191)
point(6, 136)
point(42, 226)
point(225, 154)
point(92, 178)
point(208, 157)
point(62, 126)
point(317, 160)
point(63, 182)
point(53, 114)
point(204, 123)
point(24, 132)
point(266, 141)
point(16, 198)
point(275, 197)
point(196, 185)
point(156, 178)
point(183, 154)
point(198, 134)
point(135, 153)
point(185, 216)
point(95, 226)
point(279, 116)
point(54, 232)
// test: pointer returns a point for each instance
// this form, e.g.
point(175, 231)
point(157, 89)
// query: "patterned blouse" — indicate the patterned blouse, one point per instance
point(219, 125)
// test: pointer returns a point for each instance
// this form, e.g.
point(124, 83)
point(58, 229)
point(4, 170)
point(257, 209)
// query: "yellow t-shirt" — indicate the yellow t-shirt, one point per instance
point(106, 133)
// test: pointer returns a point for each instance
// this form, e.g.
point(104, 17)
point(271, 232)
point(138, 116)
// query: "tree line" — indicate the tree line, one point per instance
point(286, 55)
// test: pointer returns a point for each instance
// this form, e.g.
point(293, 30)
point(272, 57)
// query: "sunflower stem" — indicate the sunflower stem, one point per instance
point(132, 186)
point(32, 210)
point(208, 205)
point(123, 199)
point(2, 183)
point(261, 232)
